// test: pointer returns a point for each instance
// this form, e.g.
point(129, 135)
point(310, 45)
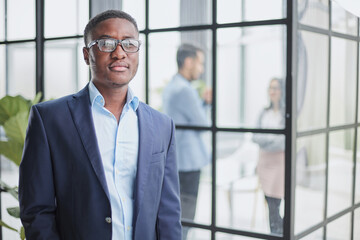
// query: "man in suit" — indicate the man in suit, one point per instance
point(99, 164)
point(185, 106)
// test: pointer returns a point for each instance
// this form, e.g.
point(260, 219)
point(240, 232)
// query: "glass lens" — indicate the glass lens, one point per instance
point(312, 80)
point(340, 176)
point(73, 73)
point(107, 45)
point(343, 81)
point(310, 181)
point(250, 182)
point(240, 84)
point(130, 45)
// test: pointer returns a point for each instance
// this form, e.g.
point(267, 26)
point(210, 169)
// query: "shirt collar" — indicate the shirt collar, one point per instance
point(96, 97)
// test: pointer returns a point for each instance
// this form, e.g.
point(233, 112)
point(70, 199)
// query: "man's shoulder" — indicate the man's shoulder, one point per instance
point(62, 101)
point(54, 103)
point(157, 115)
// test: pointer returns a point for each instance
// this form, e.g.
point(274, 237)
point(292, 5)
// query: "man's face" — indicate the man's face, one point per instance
point(112, 69)
point(197, 66)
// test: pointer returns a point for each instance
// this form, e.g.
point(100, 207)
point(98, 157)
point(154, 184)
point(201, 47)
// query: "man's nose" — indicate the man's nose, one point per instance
point(119, 52)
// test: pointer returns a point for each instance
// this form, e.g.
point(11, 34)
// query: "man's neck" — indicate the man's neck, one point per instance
point(184, 74)
point(115, 98)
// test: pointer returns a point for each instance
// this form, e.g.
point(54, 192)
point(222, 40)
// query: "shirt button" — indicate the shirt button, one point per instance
point(117, 171)
point(108, 219)
point(128, 228)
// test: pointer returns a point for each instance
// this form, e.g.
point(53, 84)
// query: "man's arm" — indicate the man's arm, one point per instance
point(36, 185)
point(168, 222)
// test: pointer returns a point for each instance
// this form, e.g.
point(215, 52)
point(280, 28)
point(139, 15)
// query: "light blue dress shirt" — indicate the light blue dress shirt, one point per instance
point(184, 105)
point(118, 145)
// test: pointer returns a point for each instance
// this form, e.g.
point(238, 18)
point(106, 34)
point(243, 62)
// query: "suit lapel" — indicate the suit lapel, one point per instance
point(146, 139)
point(80, 109)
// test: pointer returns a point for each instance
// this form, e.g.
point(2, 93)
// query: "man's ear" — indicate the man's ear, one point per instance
point(188, 62)
point(86, 55)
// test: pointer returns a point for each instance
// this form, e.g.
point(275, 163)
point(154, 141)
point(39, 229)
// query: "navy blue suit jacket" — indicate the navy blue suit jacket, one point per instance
point(62, 187)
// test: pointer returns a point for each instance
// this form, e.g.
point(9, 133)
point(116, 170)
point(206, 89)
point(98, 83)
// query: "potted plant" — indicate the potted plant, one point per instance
point(14, 114)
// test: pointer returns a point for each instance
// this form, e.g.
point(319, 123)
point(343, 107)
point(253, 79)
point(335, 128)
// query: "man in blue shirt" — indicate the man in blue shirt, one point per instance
point(185, 106)
point(99, 164)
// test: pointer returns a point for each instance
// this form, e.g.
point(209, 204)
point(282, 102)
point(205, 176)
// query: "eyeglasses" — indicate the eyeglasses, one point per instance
point(109, 44)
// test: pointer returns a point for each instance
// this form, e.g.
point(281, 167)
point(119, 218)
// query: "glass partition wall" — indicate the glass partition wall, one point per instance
point(327, 142)
point(280, 133)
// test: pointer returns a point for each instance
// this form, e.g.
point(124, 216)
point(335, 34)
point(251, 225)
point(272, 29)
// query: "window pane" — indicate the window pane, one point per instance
point(194, 164)
point(343, 81)
point(317, 235)
point(356, 224)
point(179, 13)
point(357, 177)
point(137, 84)
point(343, 21)
point(340, 228)
point(2, 20)
point(21, 65)
point(314, 13)
point(312, 80)
point(136, 8)
point(2, 71)
point(237, 11)
point(77, 15)
point(340, 174)
point(240, 84)
point(73, 73)
point(310, 181)
point(198, 234)
point(250, 167)
point(182, 98)
point(21, 20)
point(226, 236)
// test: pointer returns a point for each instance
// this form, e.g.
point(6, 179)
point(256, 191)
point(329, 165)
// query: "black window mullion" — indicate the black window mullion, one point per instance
point(39, 78)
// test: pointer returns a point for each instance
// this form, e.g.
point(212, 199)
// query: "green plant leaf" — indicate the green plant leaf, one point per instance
point(12, 150)
point(7, 226)
point(14, 211)
point(10, 106)
point(11, 190)
point(37, 98)
point(22, 233)
point(15, 127)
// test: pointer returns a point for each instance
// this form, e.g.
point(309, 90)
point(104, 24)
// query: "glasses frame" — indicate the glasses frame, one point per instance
point(92, 43)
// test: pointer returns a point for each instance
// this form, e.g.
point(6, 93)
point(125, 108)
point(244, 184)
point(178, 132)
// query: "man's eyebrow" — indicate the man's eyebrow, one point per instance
point(105, 36)
point(125, 37)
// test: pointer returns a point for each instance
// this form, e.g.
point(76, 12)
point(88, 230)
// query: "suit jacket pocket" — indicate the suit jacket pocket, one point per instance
point(157, 157)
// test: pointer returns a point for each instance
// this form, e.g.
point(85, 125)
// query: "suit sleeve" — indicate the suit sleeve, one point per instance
point(169, 214)
point(36, 184)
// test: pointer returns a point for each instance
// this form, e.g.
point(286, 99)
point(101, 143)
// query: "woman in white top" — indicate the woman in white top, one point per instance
point(271, 165)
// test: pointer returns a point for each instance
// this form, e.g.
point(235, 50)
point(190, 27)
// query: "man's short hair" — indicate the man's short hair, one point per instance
point(184, 51)
point(104, 16)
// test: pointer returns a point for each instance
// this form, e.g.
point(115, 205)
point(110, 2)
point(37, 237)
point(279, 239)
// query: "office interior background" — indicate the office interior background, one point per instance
point(313, 45)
